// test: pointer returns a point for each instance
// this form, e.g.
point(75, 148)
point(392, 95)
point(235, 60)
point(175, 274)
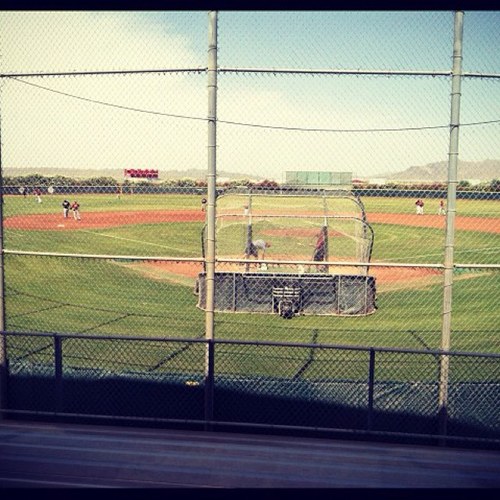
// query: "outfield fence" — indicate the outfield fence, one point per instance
point(380, 191)
point(167, 260)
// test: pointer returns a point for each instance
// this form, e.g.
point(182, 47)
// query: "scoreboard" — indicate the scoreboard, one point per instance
point(140, 173)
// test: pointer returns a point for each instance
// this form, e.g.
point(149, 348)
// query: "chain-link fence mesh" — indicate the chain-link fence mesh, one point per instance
point(256, 384)
point(132, 297)
point(106, 376)
point(327, 135)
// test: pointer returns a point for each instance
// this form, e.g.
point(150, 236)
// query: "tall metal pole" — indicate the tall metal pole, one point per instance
point(210, 214)
point(324, 229)
point(450, 219)
point(3, 347)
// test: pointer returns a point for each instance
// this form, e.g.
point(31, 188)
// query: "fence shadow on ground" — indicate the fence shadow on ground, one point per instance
point(267, 405)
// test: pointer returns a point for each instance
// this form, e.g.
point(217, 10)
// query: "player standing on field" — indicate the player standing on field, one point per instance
point(319, 251)
point(441, 210)
point(420, 207)
point(66, 205)
point(75, 206)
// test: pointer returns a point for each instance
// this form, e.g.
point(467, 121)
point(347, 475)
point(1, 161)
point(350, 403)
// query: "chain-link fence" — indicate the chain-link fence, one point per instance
point(303, 228)
point(307, 387)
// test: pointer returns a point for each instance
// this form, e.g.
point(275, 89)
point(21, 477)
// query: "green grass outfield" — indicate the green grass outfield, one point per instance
point(16, 205)
point(91, 296)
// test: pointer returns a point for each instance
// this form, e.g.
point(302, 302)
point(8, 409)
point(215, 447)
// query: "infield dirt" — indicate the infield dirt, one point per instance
point(101, 220)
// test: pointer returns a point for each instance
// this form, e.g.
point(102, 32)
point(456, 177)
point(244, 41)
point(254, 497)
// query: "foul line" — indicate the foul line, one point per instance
point(483, 250)
point(130, 239)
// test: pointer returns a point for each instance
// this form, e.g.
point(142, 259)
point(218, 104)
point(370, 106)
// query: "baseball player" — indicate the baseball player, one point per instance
point(66, 205)
point(75, 206)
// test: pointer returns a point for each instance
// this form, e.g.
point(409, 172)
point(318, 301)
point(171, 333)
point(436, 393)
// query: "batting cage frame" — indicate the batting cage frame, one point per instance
point(291, 277)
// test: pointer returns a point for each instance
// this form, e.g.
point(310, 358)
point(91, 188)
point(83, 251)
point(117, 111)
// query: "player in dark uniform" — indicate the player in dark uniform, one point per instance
point(66, 205)
point(320, 251)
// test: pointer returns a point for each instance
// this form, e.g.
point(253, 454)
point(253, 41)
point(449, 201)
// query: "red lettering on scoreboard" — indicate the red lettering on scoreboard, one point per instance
point(138, 173)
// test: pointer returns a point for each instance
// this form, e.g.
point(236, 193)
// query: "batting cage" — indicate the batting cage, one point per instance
point(291, 252)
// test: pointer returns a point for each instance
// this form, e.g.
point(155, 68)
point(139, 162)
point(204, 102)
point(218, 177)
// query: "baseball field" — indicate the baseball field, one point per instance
point(111, 296)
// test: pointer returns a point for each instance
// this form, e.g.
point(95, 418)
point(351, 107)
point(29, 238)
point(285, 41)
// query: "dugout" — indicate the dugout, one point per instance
point(316, 294)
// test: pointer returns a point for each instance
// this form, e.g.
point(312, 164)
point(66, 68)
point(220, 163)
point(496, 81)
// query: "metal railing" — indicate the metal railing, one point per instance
point(301, 387)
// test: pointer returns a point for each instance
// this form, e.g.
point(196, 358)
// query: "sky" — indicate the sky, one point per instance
point(267, 123)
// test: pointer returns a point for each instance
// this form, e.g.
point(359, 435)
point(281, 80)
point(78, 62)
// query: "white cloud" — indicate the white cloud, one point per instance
point(84, 41)
point(48, 129)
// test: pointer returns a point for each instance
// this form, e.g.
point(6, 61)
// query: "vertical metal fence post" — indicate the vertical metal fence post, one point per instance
point(326, 256)
point(3, 340)
point(210, 214)
point(58, 373)
point(371, 388)
point(450, 221)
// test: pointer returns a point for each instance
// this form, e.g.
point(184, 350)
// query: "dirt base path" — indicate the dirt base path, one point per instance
point(482, 224)
point(96, 220)
point(192, 270)
point(102, 220)
point(56, 222)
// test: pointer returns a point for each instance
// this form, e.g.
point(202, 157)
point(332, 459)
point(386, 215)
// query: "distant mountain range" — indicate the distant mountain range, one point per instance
point(486, 170)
